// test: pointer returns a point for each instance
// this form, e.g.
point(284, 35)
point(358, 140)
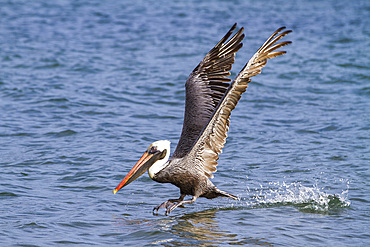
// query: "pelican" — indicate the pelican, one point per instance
point(210, 98)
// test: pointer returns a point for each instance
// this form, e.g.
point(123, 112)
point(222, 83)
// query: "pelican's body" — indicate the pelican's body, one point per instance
point(190, 181)
point(209, 102)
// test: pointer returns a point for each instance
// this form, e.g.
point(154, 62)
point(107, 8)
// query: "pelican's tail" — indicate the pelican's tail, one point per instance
point(225, 194)
point(215, 192)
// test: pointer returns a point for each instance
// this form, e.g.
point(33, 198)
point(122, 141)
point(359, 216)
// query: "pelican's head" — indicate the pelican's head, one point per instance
point(154, 159)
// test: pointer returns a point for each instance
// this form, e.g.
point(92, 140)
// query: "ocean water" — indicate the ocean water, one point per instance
point(87, 86)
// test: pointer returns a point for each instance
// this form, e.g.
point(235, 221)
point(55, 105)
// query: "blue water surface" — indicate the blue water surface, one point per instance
point(87, 86)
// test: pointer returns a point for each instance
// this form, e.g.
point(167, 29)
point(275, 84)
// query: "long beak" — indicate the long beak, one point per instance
point(144, 163)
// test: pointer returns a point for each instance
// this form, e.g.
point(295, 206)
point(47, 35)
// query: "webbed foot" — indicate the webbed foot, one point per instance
point(165, 204)
point(170, 205)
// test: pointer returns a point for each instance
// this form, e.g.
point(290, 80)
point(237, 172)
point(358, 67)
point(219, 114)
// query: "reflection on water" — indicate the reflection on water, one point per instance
point(202, 229)
point(194, 229)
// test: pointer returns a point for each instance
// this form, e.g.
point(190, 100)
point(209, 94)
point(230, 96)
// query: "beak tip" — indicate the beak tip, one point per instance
point(114, 191)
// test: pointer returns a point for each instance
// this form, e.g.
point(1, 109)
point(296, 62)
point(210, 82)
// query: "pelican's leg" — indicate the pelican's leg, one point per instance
point(180, 204)
point(169, 203)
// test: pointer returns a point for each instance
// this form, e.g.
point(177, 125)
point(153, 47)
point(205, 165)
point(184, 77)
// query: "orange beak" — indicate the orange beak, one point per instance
point(144, 163)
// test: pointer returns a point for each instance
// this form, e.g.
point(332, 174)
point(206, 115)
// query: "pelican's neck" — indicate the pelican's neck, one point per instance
point(162, 163)
point(156, 167)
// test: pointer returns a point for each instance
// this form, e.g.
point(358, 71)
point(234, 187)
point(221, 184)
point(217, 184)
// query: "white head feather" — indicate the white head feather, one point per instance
point(160, 164)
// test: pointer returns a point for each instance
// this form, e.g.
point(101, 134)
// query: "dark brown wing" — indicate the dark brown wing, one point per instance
point(204, 153)
point(205, 87)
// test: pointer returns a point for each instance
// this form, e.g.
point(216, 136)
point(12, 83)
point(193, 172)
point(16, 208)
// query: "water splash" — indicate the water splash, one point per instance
point(306, 199)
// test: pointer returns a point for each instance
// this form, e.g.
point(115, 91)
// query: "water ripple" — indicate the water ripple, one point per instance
point(86, 86)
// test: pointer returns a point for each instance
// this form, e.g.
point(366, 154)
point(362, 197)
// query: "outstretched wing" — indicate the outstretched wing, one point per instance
point(205, 87)
point(213, 137)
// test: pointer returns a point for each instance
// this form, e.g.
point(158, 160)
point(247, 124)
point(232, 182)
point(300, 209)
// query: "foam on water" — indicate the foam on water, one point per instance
point(307, 199)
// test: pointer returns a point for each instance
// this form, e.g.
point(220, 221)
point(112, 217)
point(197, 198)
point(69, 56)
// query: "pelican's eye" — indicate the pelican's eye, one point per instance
point(152, 150)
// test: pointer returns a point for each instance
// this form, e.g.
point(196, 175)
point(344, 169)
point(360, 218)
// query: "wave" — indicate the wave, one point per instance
point(306, 199)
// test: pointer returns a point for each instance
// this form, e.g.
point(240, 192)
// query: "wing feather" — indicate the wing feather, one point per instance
point(212, 139)
point(205, 87)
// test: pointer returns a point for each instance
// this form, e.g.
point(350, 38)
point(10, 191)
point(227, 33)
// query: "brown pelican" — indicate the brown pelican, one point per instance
point(208, 104)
